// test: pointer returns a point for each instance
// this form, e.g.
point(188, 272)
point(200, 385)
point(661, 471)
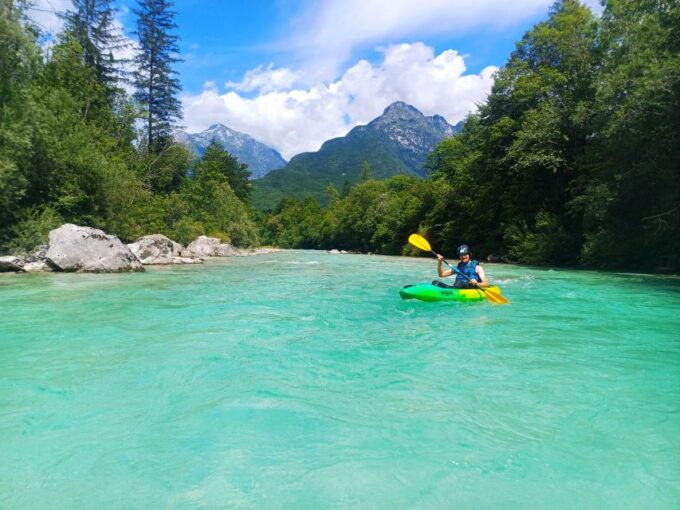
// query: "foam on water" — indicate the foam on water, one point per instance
point(301, 380)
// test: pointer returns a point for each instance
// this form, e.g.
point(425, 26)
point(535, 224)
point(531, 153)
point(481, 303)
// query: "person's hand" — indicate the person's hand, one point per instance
point(474, 282)
point(440, 258)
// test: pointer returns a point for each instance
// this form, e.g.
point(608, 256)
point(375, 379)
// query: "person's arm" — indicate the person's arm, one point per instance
point(483, 282)
point(440, 270)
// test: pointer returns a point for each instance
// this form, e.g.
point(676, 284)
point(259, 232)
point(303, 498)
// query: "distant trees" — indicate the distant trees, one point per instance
point(374, 216)
point(154, 78)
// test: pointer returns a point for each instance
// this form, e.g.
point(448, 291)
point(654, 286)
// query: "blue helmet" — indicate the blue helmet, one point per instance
point(463, 249)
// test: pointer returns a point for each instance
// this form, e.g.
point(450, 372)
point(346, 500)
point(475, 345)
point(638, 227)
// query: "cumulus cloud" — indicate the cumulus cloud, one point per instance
point(329, 32)
point(265, 79)
point(301, 119)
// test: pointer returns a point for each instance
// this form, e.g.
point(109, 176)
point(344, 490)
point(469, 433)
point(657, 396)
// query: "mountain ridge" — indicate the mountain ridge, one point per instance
point(260, 158)
point(396, 142)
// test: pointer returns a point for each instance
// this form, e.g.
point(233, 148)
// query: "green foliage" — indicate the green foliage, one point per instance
point(332, 193)
point(218, 161)
point(375, 216)
point(68, 154)
point(545, 240)
point(33, 229)
point(296, 223)
point(629, 196)
point(156, 84)
point(514, 166)
point(365, 171)
point(165, 171)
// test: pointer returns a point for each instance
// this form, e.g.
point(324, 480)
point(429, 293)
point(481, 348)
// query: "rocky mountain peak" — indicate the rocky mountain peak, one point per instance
point(401, 110)
point(260, 158)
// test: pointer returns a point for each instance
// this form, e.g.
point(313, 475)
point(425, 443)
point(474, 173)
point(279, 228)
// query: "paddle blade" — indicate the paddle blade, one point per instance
point(419, 242)
point(496, 298)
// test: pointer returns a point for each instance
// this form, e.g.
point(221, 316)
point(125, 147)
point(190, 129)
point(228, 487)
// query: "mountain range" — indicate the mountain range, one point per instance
point(260, 158)
point(397, 142)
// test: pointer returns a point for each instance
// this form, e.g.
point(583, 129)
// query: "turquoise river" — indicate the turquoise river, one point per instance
point(301, 380)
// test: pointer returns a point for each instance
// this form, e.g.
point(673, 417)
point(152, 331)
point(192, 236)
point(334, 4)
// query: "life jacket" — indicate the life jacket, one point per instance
point(468, 269)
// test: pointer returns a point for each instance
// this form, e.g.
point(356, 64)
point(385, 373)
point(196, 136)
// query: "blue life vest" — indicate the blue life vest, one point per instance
point(468, 269)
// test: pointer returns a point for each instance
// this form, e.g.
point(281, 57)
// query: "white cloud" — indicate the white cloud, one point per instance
point(44, 14)
point(265, 79)
point(329, 32)
point(301, 119)
point(595, 6)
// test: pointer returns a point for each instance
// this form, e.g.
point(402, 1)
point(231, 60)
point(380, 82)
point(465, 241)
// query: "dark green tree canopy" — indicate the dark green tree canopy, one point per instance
point(218, 163)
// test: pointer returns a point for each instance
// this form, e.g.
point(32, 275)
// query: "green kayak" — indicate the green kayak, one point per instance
point(429, 292)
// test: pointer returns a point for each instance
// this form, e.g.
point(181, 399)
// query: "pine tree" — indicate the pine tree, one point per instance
point(332, 193)
point(365, 171)
point(91, 23)
point(218, 162)
point(154, 80)
point(346, 188)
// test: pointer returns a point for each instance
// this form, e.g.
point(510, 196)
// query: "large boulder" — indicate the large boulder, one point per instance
point(88, 250)
point(204, 246)
point(11, 263)
point(156, 249)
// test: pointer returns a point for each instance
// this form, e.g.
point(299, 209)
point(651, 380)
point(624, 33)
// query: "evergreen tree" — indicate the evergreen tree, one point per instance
point(346, 188)
point(155, 80)
point(218, 160)
point(332, 193)
point(365, 171)
point(91, 23)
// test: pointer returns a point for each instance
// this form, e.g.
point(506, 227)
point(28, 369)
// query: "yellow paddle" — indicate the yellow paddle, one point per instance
point(421, 243)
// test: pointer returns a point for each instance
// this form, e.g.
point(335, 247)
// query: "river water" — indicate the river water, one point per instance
point(302, 380)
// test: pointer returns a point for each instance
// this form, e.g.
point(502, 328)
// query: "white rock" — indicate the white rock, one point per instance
point(89, 250)
point(12, 263)
point(39, 266)
point(204, 246)
point(156, 249)
point(187, 260)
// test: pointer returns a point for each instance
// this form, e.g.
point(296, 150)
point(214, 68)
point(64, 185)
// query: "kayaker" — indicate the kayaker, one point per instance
point(467, 266)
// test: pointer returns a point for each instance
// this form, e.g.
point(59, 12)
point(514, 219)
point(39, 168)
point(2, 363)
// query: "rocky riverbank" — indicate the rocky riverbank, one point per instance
point(74, 248)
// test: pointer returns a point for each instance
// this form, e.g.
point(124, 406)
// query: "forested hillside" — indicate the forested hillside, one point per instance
point(397, 142)
point(573, 160)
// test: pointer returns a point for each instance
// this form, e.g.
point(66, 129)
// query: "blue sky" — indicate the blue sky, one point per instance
point(294, 73)
point(221, 40)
